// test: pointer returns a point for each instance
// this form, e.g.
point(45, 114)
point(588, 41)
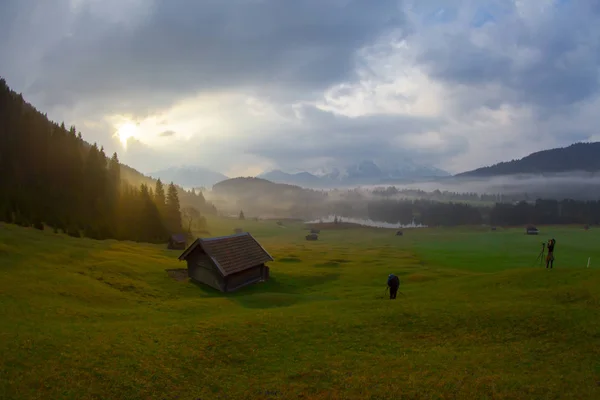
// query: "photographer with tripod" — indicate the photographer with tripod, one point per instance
point(550, 256)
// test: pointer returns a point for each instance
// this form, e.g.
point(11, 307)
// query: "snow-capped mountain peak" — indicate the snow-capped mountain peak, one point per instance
point(361, 173)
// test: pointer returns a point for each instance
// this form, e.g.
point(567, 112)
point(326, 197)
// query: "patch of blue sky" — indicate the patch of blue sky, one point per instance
point(481, 17)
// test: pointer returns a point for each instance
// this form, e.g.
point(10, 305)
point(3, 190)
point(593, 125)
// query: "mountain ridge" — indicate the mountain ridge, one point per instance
point(365, 172)
point(580, 156)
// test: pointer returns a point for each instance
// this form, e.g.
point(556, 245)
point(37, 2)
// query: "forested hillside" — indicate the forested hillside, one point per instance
point(576, 157)
point(50, 176)
point(256, 196)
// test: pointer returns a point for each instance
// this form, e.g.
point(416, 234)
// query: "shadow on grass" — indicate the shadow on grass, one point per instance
point(282, 290)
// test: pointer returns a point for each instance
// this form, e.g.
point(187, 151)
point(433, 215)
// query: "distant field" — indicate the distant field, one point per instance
point(477, 318)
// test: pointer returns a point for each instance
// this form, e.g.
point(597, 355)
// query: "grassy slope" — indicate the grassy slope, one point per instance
point(84, 319)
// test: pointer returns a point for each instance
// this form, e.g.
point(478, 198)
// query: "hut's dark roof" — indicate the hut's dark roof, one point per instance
point(231, 254)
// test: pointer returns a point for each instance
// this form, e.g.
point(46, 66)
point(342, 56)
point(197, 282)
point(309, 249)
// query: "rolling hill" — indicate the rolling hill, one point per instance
point(258, 196)
point(583, 157)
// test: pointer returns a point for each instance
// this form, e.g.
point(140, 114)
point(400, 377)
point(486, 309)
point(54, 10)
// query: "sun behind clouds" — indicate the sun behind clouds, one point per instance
point(126, 131)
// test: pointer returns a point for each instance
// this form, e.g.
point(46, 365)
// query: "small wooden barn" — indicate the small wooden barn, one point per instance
point(399, 233)
point(531, 230)
point(227, 263)
point(177, 242)
point(312, 236)
point(493, 228)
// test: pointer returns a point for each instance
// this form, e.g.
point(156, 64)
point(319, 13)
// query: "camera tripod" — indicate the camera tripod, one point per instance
point(540, 256)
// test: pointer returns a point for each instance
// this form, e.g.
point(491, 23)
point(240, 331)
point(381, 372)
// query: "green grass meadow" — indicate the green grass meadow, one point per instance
point(477, 318)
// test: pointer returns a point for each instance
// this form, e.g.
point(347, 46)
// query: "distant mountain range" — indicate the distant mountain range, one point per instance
point(190, 177)
point(363, 173)
point(583, 157)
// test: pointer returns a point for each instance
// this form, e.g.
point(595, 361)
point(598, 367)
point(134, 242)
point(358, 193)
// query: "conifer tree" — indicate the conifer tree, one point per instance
point(160, 199)
point(173, 212)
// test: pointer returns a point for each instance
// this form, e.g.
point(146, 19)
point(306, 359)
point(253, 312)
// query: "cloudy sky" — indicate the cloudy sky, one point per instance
point(243, 86)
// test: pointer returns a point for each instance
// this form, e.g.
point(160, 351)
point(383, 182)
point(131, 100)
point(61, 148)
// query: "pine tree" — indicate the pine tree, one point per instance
point(113, 194)
point(153, 229)
point(173, 212)
point(160, 199)
point(242, 215)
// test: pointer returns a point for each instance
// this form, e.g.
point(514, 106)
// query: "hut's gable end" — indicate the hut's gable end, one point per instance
point(202, 269)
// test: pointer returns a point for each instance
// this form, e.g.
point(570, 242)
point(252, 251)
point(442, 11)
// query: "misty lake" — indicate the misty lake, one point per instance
point(367, 222)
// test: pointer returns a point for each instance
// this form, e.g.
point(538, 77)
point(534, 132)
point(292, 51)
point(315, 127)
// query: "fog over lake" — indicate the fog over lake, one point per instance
point(367, 222)
point(579, 185)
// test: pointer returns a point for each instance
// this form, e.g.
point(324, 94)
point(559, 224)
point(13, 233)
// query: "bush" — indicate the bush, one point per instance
point(73, 232)
point(7, 216)
point(21, 220)
point(90, 232)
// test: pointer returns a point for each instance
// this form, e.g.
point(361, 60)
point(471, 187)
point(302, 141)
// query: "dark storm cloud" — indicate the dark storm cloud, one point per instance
point(381, 137)
point(269, 46)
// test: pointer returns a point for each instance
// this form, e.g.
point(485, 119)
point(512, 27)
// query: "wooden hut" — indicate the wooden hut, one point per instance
point(227, 263)
point(177, 242)
point(312, 236)
point(493, 228)
point(531, 230)
point(399, 233)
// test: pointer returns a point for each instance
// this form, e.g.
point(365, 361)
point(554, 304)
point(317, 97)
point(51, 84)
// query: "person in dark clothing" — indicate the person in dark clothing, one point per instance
point(393, 283)
point(550, 256)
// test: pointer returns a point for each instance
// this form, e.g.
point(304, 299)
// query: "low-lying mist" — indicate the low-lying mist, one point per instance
point(366, 222)
point(365, 205)
point(584, 185)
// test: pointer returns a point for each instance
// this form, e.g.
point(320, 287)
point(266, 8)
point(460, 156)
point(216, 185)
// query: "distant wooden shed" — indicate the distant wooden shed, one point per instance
point(227, 263)
point(399, 233)
point(493, 228)
point(312, 236)
point(177, 242)
point(531, 230)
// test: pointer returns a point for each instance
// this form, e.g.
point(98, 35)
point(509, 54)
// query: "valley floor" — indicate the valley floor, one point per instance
point(478, 318)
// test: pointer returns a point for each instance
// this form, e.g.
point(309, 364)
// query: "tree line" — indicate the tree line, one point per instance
point(49, 176)
point(446, 195)
point(547, 212)
point(432, 213)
